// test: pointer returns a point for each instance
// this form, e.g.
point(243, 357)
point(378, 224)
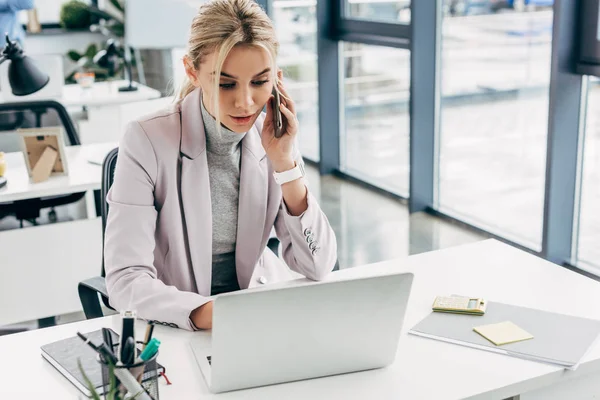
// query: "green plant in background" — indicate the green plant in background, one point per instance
point(111, 25)
point(85, 63)
point(75, 14)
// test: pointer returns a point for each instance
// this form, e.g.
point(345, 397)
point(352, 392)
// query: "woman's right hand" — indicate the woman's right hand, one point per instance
point(202, 316)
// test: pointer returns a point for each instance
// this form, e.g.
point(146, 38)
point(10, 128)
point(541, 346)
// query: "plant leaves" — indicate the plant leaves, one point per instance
point(89, 383)
point(73, 55)
point(91, 51)
point(101, 14)
point(117, 4)
point(116, 27)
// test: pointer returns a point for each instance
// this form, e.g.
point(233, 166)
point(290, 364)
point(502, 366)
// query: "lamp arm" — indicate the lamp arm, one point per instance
point(128, 66)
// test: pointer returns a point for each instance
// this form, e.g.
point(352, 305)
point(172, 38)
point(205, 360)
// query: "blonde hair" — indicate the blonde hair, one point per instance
point(219, 26)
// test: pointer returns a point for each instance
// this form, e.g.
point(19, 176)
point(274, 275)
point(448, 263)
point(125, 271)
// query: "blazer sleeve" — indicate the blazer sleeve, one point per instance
point(131, 277)
point(308, 242)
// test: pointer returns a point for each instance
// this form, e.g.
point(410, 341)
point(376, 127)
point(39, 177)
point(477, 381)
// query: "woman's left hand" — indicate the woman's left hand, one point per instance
point(280, 150)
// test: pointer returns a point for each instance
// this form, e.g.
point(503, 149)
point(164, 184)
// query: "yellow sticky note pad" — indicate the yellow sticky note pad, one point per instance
point(503, 333)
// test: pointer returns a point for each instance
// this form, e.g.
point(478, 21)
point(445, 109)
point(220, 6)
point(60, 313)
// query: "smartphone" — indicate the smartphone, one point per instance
point(277, 118)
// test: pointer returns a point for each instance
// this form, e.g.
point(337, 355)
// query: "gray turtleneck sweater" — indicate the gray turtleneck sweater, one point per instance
point(223, 152)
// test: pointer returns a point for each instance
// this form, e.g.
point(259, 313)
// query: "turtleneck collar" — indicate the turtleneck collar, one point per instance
point(224, 143)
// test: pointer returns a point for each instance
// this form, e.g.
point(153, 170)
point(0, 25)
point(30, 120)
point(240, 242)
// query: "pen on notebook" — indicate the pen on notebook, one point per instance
point(102, 349)
point(148, 336)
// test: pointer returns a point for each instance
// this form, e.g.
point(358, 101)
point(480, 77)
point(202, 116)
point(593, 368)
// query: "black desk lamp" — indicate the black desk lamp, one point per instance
point(109, 59)
point(23, 74)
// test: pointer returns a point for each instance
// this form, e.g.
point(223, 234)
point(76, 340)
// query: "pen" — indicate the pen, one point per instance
point(102, 349)
point(149, 351)
point(128, 354)
point(148, 336)
point(107, 336)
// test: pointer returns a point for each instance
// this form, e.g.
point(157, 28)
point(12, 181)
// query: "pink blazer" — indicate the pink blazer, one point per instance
point(158, 238)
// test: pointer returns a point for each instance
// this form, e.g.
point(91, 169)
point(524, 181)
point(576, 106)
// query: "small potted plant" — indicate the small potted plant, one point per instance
point(75, 15)
point(86, 71)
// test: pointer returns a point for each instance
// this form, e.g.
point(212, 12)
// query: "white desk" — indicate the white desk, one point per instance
point(100, 94)
point(424, 368)
point(105, 94)
point(105, 113)
point(40, 266)
point(83, 176)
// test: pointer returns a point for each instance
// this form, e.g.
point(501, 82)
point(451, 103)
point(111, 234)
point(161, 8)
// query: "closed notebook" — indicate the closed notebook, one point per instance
point(63, 355)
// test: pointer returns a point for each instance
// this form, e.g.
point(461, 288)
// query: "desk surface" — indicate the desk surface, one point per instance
point(424, 368)
point(100, 94)
point(82, 174)
point(105, 93)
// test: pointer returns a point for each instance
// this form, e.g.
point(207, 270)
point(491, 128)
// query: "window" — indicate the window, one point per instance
point(397, 11)
point(589, 221)
point(494, 119)
point(296, 25)
point(374, 140)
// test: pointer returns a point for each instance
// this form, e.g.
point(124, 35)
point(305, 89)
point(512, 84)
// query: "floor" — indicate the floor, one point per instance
point(369, 227)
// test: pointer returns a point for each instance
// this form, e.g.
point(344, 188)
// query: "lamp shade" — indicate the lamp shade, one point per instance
point(25, 77)
point(23, 74)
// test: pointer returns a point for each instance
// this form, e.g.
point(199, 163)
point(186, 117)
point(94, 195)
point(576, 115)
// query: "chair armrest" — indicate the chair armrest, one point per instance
point(273, 244)
point(89, 290)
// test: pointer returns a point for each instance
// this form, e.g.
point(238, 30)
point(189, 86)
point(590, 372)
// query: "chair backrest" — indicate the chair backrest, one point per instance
point(108, 174)
point(33, 114)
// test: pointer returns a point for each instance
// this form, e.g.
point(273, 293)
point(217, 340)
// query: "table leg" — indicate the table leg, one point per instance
point(92, 203)
point(98, 201)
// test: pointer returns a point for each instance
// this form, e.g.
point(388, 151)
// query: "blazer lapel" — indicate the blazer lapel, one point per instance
point(195, 192)
point(252, 206)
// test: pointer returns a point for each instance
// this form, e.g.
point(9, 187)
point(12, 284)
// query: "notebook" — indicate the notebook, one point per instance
point(558, 339)
point(63, 355)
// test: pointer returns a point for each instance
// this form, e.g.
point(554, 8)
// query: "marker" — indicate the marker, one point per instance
point(150, 350)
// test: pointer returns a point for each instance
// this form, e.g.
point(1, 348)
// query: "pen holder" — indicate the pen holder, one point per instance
point(145, 372)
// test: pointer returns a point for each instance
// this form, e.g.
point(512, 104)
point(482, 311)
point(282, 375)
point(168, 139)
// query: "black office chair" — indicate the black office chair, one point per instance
point(89, 289)
point(14, 116)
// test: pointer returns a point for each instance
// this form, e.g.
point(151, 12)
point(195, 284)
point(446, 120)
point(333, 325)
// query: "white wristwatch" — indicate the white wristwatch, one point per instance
point(290, 175)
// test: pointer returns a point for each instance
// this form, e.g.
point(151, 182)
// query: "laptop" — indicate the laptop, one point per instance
point(308, 330)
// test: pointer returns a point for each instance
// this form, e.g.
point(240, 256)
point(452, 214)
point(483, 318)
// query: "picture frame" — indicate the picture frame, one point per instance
point(34, 142)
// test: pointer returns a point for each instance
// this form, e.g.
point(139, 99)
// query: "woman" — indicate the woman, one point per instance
point(196, 193)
